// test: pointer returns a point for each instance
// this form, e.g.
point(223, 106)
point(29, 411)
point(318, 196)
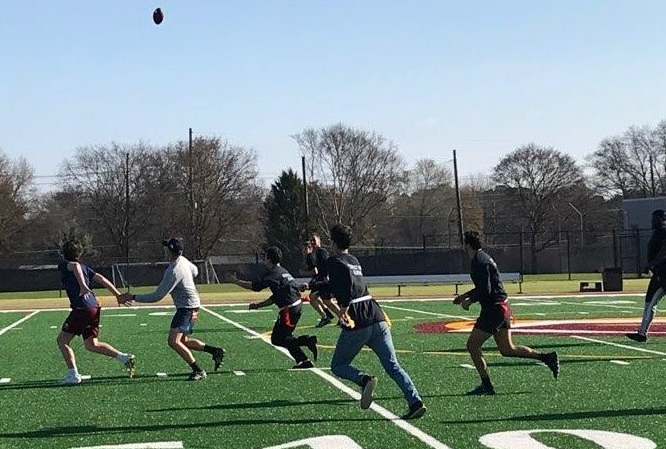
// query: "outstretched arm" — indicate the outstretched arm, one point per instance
point(247, 285)
point(107, 284)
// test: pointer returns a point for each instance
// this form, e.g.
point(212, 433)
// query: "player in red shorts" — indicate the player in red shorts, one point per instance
point(495, 317)
point(83, 320)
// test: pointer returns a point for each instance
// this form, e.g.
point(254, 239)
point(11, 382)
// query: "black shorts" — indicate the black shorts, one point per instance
point(323, 289)
point(493, 318)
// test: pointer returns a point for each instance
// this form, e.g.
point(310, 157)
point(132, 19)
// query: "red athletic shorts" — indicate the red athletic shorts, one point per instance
point(83, 322)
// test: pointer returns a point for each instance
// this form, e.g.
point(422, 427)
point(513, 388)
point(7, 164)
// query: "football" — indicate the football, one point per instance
point(158, 16)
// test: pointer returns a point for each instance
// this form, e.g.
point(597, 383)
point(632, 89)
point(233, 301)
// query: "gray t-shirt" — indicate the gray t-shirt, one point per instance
point(178, 280)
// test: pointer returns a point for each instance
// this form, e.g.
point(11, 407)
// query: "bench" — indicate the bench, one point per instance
point(431, 279)
point(586, 286)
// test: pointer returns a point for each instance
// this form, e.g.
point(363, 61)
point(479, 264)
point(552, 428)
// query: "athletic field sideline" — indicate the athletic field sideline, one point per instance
point(609, 395)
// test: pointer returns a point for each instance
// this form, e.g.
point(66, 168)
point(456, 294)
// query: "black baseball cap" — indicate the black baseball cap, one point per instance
point(173, 244)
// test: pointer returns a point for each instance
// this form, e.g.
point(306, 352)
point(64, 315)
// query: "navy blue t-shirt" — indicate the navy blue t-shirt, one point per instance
point(71, 286)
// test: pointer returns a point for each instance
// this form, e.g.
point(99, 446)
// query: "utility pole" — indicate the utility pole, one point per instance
point(127, 215)
point(458, 203)
point(190, 185)
point(305, 197)
point(582, 229)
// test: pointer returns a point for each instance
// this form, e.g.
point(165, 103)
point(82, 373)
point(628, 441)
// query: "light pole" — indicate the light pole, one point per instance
point(582, 241)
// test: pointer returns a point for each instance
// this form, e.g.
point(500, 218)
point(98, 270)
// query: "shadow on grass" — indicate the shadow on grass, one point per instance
point(82, 431)
point(569, 416)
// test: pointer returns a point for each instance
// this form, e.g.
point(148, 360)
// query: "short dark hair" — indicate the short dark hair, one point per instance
point(72, 250)
point(341, 236)
point(473, 239)
point(274, 254)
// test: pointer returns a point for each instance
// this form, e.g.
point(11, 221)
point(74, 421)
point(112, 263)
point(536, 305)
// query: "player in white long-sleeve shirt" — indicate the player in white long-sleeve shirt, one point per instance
point(178, 280)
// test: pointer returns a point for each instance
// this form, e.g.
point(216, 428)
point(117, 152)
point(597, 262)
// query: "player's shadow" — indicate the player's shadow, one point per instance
point(590, 414)
point(82, 431)
point(96, 381)
point(279, 403)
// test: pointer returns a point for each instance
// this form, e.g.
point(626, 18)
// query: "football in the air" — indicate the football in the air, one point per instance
point(158, 16)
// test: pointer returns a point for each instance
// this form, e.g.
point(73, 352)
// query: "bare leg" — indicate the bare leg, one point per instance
point(176, 343)
point(64, 339)
point(508, 349)
point(476, 339)
point(92, 344)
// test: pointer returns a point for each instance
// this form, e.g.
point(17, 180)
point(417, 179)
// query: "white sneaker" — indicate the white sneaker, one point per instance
point(71, 379)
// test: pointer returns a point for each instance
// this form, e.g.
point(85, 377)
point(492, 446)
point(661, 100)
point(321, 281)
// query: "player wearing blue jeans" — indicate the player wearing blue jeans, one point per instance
point(363, 323)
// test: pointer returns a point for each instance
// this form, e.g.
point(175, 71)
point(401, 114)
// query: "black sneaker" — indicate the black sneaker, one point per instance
point(416, 410)
point(197, 375)
point(312, 346)
point(305, 364)
point(218, 357)
point(369, 384)
point(481, 390)
point(637, 337)
point(553, 362)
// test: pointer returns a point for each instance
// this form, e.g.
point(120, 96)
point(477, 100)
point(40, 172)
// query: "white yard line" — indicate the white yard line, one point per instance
point(443, 315)
point(618, 345)
point(404, 425)
point(16, 323)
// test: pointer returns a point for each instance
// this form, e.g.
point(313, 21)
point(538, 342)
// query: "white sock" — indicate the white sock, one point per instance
point(122, 357)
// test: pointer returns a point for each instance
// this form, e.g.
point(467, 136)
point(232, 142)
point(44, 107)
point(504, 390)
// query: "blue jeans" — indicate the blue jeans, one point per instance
point(378, 338)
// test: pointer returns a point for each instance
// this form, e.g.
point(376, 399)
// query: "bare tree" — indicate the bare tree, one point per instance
point(16, 191)
point(221, 198)
point(111, 182)
point(353, 173)
point(632, 164)
point(537, 177)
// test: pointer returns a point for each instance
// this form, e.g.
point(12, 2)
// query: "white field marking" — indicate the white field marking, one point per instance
point(467, 365)
point(536, 303)
point(120, 315)
point(517, 330)
point(253, 337)
point(443, 315)
point(86, 377)
point(325, 442)
point(325, 368)
point(409, 317)
point(143, 324)
point(239, 373)
point(404, 425)
point(16, 323)
point(583, 313)
point(600, 304)
point(609, 343)
point(250, 311)
point(162, 375)
point(53, 327)
point(155, 445)
point(619, 362)
point(5, 380)
point(609, 302)
point(159, 313)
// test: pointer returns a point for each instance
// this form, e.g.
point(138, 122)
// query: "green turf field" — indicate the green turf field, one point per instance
point(611, 390)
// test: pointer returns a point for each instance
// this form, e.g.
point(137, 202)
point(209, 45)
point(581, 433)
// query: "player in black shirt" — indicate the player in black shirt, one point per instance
point(656, 252)
point(363, 323)
point(495, 317)
point(286, 296)
point(315, 261)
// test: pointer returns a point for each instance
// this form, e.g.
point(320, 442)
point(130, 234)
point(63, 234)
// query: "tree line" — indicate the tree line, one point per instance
point(121, 200)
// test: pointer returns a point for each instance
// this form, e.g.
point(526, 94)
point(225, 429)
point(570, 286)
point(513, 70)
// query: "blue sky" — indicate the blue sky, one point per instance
point(482, 77)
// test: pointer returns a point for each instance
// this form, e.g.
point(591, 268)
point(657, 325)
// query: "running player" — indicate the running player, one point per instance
point(285, 295)
point(178, 279)
point(363, 323)
point(315, 259)
point(656, 290)
point(495, 318)
point(84, 318)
